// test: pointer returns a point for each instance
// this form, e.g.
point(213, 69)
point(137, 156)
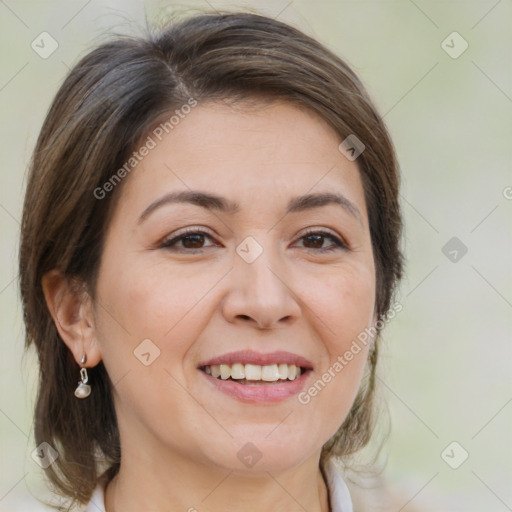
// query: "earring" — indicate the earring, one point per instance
point(83, 389)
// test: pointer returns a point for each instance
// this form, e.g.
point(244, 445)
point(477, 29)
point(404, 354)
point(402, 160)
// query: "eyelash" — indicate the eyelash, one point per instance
point(168, 244)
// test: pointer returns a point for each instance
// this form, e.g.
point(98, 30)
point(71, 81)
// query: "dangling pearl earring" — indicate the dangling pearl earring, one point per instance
point(83, 390)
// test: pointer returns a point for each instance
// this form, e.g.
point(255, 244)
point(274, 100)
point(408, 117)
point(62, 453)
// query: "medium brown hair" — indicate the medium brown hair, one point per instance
point(105, 107)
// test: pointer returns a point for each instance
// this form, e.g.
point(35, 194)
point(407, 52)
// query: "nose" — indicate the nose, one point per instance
point(261, 292)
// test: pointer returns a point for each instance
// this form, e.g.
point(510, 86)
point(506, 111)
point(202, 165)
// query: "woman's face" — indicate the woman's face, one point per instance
point(284, 278)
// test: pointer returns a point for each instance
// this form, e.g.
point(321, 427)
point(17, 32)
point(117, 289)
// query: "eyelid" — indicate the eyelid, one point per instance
point(316, 229)
point(338, 241)
point(189, 230)
point(196, 229)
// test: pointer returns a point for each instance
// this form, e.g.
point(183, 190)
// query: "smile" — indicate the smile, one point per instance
point(254, 373)
point(254, 377)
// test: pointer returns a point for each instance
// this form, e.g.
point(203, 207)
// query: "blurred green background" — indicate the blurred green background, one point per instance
point(446, 362)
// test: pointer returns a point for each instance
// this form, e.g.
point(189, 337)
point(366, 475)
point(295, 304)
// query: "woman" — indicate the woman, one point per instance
point(210, 246)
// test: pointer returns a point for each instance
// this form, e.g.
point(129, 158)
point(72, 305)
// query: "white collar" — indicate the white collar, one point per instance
point(337, 488)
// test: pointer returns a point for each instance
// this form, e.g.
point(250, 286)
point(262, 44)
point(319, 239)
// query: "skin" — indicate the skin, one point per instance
point(180, 436)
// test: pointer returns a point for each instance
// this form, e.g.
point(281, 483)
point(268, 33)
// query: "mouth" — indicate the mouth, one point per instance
point(255, 377)
point(254, 374)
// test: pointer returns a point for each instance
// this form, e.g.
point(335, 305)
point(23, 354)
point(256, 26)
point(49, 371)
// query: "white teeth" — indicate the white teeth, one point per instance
point(238, 371)
point(270, 373)
point(254, 372)
point(225, 371)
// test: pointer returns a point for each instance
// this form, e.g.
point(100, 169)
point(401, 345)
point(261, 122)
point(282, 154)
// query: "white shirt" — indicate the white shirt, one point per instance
point(337, 488)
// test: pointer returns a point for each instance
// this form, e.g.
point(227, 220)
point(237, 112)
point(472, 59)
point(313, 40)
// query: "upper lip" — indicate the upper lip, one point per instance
point(262, 359)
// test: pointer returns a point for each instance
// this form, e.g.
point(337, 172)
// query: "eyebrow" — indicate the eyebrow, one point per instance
point(214, 202)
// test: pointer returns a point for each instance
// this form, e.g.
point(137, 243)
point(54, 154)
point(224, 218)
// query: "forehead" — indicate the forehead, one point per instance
point(258, 152)
point(260, 131)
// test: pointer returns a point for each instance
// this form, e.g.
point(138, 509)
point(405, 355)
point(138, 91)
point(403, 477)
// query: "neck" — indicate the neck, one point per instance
point(163, 483)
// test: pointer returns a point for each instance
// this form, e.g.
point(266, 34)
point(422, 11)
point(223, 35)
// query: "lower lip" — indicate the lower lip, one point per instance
point(259, 393)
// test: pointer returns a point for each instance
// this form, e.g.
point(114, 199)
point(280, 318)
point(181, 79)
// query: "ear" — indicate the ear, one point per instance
point(71, 310)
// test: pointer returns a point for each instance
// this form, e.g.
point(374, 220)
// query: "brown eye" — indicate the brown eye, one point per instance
point(191, 241)
point(315, 240)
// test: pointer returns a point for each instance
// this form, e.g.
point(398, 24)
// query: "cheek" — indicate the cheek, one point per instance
point(346, 309)
point(345, 306)
point(151, 301)
point(344, 302)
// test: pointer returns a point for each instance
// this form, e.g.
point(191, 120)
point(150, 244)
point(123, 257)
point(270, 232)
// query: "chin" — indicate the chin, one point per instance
point(259, 454)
